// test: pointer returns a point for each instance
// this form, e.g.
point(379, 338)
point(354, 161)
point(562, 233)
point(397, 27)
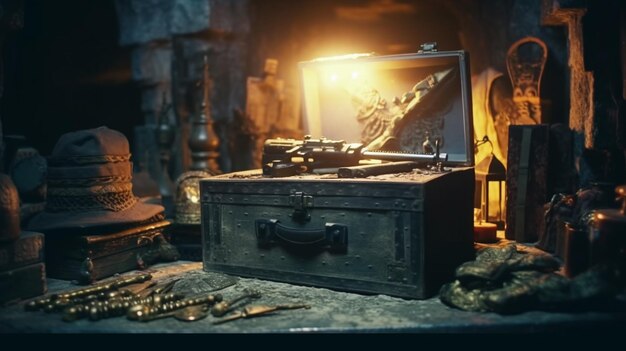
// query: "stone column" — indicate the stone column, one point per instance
point(595, 100)
point(170, 37)
point(151, 70)
point(581, 81)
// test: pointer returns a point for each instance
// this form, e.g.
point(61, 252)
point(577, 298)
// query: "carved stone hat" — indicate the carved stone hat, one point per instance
point(89, 183)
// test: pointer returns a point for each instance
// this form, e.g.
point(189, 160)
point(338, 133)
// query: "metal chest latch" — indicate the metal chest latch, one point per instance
point(300, 202)
point(429, 47)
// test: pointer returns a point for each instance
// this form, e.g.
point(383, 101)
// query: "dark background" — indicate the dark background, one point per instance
point(65, 70)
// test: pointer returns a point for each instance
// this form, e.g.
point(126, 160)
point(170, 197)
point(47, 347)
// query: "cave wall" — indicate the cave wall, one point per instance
point(81, 64)
point(169, 39)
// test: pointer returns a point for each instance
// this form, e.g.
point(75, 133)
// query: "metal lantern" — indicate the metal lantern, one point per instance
point(490, 182)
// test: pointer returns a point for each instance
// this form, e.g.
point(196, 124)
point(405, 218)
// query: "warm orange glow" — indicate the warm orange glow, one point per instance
point(341, 57)
point(373, 11)
point(359, 97)
point(344, 76)
point(485, 232)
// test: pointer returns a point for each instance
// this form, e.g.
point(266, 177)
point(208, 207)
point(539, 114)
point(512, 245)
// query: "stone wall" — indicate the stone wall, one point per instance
point(581, 85)
point(169, 40)
point(11, 20)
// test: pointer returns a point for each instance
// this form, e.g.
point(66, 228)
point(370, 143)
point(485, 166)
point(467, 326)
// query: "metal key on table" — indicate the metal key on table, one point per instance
point(223, 307)
point(258, 310)
point(159, 288)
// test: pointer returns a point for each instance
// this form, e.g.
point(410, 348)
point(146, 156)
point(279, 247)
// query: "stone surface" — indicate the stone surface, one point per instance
point(145, 150)
point(581, 82)
point(189, 16)
point(171, 36)
point(151, 64)
point(331, 311)
point(228, 85)
point(143, 21)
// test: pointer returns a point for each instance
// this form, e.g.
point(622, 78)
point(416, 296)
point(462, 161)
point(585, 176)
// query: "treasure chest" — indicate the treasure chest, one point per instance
point(327, 212)
point(87, 255)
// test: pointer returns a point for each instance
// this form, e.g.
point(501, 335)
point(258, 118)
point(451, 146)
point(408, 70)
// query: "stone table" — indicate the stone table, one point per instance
point(331, 312)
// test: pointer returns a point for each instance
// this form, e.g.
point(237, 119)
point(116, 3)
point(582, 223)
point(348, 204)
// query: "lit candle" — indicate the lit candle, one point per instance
point(485, 232)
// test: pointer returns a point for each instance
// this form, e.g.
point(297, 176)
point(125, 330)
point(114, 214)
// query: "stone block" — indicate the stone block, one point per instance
point(151, 64)
point(152, 101)
point(142, 21)
point(190, 16)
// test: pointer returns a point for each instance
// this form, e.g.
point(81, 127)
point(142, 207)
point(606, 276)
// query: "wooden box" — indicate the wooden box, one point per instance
point(87, 257)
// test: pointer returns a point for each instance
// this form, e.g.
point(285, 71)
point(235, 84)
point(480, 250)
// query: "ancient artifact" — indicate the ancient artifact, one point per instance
point(356, 98)
point(258, 310)
point(93, 255)
point(389, 233)
point(114, 306)
point(510, 279)
point(146, 313)
point(203, 142)
point(526, 60)
point(192, 313)
point(188, 197)
point(185, 232)
point(71, 295)
point(384, 129)
point(119, 297)
point(223, 307)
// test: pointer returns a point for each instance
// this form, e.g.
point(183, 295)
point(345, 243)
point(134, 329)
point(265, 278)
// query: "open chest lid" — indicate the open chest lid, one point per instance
point(397, 102)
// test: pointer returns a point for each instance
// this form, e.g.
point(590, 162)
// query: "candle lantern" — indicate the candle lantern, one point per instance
point(490, 183)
